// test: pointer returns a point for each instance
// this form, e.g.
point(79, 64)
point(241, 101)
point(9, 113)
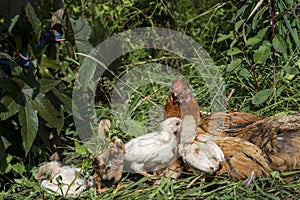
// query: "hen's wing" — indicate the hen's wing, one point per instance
point(227, 123)
point(241, 158)
point(279, 138)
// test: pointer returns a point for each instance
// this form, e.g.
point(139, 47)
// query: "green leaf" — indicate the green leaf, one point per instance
point(298, 63)
point(262, 96)
point(9, 85)
point(233, 51)
point(13, 22)
point(5, 143)
point(233, 65)
point(8, 108)
point(279, 44)
point(49, 63)
point(66, 100)
point(245, 73)
point(54, 117)
point(34, 20)
point(253, 41)
point(80, 149)
point(29, 121)
point(291, 70)
point(258, 16)
point(262, 54)
point(48, 84)
point(18, 167)
point(261, 34)
point(223, 37)
point(238, 25)
point(82, 31)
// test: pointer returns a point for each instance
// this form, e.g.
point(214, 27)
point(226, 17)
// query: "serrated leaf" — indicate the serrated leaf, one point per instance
point(13, 22)
point(238, 25)
point(279, 44)
point(34, 20)
point(262, 96)
point(261, 34)
point(81, 28)
point(47, 84)
point(262, 54)
point(9, 85)
point(233, 64)
point(258, 16)
point(49, 63)
point(66, 100)
point(233, 51)
point(253, 41)
point(5, 143)
point(291, 70)
point(223, 37)
point(80, 149)
point(54, 117)
point(29, 121)
point(245, 73)
point(18, 167)
point(8, 107)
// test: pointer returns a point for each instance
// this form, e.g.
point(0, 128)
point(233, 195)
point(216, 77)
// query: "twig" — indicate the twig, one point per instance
point(273, 50)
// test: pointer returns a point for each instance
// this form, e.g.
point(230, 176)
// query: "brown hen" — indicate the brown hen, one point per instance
point(265, 143)
point(237, 134)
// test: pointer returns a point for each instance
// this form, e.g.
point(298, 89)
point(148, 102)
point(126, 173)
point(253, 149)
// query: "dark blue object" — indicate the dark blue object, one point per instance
point(23, 60)
point(4, 64)
point(48, 38)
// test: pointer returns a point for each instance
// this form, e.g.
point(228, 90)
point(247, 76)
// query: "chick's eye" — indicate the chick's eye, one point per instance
point(177, 123)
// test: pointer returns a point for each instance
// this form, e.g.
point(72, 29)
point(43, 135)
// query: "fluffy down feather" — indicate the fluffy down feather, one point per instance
point(109, 163)
point(199, 152)
point(149, 151)
point(66, 181)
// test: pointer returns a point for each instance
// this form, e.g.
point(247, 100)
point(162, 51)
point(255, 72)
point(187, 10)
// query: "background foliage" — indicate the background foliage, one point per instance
point(255, 45)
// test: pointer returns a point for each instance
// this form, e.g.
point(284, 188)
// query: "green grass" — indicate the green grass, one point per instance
point(136, 187)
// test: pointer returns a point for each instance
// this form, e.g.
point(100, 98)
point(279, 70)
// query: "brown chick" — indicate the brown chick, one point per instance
point(108, 163)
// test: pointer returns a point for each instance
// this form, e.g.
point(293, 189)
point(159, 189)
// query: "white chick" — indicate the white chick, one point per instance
point(155, 149)
point(63, 180)
point(199, 152)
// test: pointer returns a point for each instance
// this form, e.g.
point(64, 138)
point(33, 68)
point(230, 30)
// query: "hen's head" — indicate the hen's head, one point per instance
point(181, 91)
